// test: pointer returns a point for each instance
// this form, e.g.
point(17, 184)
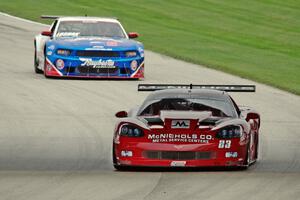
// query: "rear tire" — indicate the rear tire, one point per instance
point(247, 158)
point(36, 63)
point(256, 147)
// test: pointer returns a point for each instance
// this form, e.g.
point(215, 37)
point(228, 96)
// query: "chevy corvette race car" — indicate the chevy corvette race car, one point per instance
point(187, 126)
point(88, 47)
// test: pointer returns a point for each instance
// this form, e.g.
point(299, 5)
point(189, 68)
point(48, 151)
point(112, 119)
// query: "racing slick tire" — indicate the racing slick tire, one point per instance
point(256, 147)
point(36, 63)
point(246, 163)
point(120, 168)
point(116, 166)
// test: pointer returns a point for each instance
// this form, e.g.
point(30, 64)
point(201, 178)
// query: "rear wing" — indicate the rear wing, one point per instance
point(59, 16)
point(226, 88)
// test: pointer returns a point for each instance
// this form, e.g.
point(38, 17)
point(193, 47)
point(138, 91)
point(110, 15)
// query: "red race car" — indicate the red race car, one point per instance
point(187, 126)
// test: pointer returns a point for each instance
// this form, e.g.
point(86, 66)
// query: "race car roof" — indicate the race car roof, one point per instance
point(80, 18)
point(103, 19)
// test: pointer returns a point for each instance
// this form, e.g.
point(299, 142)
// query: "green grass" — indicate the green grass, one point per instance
point(255, 39)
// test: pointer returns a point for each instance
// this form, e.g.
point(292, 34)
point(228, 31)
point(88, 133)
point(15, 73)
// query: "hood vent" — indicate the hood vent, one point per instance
point(97, 53)
point(154, 121)
point(209, 122)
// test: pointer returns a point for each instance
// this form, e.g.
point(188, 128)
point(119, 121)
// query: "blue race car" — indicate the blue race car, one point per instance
point(88, 47)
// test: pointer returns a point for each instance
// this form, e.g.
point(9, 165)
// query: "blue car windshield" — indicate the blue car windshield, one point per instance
point(89, 29)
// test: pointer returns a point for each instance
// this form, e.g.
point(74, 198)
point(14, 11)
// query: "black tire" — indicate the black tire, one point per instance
point(114, 156)
point(36, 63)
point(256, 147)
point(121, 168)
point(116, 166)
point(247, 158)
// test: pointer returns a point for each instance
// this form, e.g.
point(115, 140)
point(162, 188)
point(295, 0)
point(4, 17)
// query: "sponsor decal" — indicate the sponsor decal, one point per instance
point(49, 53)
point(126, 153)
point(178, 163)
point(87, 38)
point(98, 47)
point(188, 138)
point(96, 42)
point(224, 144)
point(51, 47)
point(134, 65)
point(231, 154)
point(98, 64)
point(180, 124)
point(112, 43)
point(67, 34)
point(60, 64)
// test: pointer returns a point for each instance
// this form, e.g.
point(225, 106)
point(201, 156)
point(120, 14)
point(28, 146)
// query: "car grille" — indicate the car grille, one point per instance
point(177, 155)
point(90, 69)
point(98, 53)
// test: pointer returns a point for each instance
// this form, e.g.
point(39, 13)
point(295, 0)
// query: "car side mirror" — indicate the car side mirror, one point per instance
point(251, 115)
point(132, 35)
point(121, 114)
point(47, 33)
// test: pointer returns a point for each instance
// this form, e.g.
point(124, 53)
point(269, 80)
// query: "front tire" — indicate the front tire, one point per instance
point(116, 166)
point(120, 168)
point(36, 63)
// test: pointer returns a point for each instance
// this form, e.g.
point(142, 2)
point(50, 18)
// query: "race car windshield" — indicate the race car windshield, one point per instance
point(219, 108)
point(89, 29)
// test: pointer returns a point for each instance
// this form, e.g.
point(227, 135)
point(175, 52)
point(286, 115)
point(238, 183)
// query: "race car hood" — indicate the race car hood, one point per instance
point(185, 121)
point(178, 119)
point(165, 115)
point(95, 43)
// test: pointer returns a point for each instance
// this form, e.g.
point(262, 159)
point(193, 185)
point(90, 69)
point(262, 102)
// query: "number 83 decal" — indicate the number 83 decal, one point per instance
point(224, 144)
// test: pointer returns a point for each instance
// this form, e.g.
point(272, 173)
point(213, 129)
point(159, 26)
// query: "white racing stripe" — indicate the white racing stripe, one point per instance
point(137, 70)
point(54, 67)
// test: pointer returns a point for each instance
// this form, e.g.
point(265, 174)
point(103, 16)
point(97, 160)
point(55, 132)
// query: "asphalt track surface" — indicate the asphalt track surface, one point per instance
point(56, 135)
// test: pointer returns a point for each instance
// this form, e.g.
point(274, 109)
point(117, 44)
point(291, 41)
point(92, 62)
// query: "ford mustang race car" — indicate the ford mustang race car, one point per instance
point(88, 47)
point(187, 126)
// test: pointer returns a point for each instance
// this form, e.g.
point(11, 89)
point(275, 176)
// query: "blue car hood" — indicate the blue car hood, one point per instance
point(81, 43)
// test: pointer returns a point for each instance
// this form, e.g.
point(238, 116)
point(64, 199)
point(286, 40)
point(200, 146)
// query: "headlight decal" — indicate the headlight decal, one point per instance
point(63, 52)
point(131, 53)
point(229, 132)
point(130, 131)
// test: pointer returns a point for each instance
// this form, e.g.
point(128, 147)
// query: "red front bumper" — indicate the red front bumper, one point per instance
point(217, 156)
